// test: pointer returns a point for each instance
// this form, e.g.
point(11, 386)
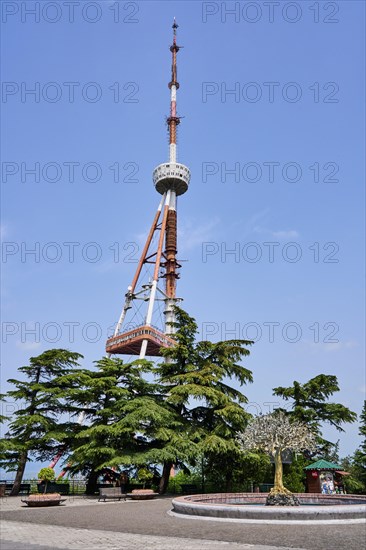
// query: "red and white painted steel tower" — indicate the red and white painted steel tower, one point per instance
point(171, 179)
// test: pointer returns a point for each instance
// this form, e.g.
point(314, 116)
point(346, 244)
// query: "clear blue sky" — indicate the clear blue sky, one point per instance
point(297, 151)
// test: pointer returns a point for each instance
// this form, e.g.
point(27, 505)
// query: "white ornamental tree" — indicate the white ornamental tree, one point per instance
point(273, 434)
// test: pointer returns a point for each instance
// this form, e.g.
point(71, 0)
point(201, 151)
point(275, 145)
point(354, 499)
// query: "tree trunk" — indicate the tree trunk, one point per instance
point(278, 480)
point(91, 486)
point(23, 457)
point(229, 481)
point(163, 485)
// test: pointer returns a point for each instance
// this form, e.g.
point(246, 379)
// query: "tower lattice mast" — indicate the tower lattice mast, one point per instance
point(171, 179)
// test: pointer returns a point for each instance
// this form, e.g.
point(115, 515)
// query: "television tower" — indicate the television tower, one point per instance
point(171, 179)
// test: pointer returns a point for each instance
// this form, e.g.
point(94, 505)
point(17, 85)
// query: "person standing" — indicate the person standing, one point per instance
point(123, 481)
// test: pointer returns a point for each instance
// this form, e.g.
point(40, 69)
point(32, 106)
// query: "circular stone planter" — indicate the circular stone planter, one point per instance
point(251, 506)
point(142, 494)
point(50, 499)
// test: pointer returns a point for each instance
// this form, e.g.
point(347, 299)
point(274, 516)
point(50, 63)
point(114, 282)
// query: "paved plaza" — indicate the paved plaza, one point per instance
point(86, 524)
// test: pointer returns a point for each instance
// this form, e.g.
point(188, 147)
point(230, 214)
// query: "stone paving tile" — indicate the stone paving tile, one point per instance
point(90, 539)
point(9, 545)
point(15, 503)
point(150, 519)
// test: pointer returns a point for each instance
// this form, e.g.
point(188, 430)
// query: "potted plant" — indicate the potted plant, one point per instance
point(144, 476)
point(45, 475)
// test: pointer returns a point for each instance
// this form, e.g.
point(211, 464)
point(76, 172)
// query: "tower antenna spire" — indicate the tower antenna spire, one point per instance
point(173, 120)
point(171, 179)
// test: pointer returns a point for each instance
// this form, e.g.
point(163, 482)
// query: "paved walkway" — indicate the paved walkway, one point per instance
point(63, 538)
point(85, 524)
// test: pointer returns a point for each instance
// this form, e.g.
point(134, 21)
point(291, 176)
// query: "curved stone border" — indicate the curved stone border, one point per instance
point(217, 506)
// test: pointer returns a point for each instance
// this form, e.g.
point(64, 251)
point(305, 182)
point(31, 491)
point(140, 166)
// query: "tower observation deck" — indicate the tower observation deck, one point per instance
point(171, 179)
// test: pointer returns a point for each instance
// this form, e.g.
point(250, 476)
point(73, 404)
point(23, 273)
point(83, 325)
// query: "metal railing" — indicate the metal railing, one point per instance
point(75, 486)
point(78, 486)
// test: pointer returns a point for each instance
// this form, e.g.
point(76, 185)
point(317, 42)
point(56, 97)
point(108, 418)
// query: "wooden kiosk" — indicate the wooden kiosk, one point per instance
point(324, 477)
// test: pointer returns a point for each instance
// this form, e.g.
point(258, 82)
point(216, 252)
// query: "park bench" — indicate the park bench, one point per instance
point(24, 488)
point(111, 492)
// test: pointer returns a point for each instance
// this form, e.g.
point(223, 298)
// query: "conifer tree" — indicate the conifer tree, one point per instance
point(126, 418)
point(138, 414)
point(36, 429)
point(310, 404)
point(197, 378)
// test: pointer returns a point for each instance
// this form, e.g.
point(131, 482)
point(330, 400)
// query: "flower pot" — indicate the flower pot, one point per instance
point(49, 499)
point(53, 487)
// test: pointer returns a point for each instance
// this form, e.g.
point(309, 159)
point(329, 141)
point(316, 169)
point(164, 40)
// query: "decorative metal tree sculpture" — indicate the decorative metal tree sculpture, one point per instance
point(274, 434)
